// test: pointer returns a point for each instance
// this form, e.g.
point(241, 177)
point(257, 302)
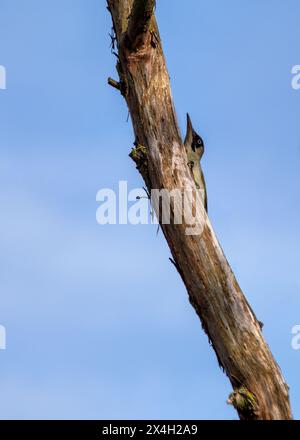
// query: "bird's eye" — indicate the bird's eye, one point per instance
point(199, 141)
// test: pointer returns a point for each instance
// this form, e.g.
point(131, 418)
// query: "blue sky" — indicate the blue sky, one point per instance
point(98, 322)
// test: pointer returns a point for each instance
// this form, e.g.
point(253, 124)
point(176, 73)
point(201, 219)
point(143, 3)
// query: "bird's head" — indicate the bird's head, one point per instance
point(193, 138)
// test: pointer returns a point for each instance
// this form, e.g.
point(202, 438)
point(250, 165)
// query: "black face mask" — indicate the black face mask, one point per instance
point(197, 142)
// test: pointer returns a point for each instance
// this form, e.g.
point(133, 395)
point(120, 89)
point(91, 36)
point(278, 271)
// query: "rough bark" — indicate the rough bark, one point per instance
point(259, 390)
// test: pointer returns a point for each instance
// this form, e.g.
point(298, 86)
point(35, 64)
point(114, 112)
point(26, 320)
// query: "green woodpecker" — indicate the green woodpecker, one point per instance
point(194, 147)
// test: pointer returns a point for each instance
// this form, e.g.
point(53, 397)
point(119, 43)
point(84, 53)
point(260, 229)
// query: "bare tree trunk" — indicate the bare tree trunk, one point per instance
point(260, 391)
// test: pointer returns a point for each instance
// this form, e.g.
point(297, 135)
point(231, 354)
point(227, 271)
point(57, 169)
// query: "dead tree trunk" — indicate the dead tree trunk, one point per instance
point(259, 390)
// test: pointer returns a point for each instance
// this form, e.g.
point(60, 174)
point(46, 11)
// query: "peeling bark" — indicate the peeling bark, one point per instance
point(139, 23)
point(259, 390)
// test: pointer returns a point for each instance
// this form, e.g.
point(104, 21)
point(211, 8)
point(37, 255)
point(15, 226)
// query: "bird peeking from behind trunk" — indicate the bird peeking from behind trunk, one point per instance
point(194, 147)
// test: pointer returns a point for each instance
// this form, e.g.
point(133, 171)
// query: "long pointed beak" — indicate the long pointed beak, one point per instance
point(189, 127)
